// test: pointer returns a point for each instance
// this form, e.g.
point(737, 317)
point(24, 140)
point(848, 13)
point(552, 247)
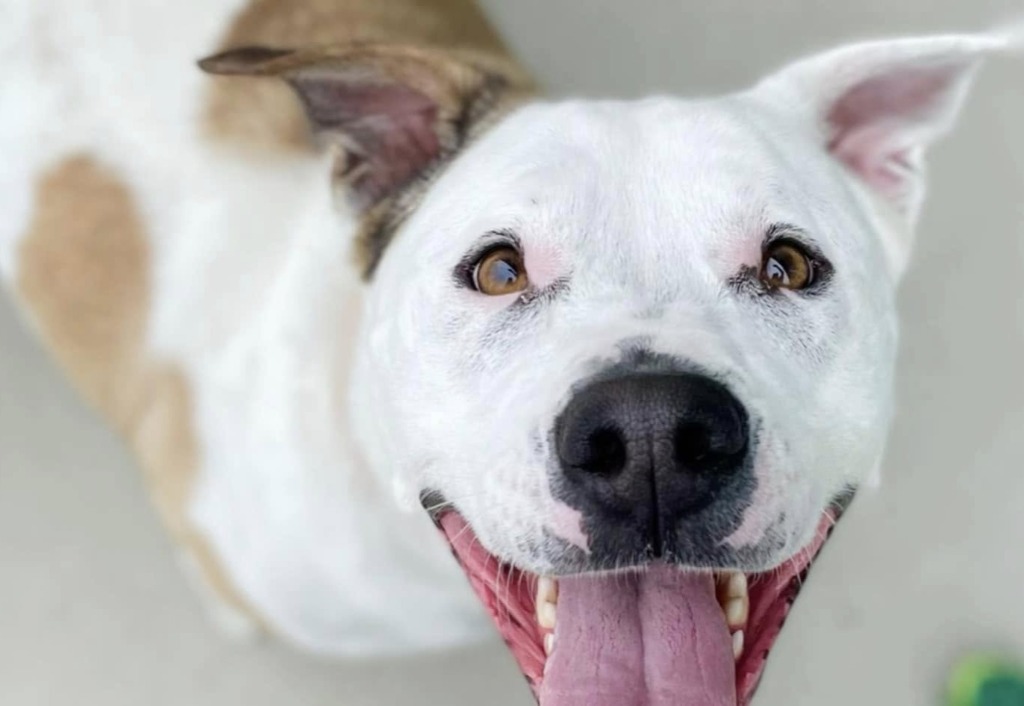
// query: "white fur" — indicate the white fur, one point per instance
point(646, 209)
point(250, 267)
point(648, 224)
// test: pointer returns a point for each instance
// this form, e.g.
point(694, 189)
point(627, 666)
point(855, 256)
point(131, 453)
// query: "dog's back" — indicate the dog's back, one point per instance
point(151, 219)
point(95, 98)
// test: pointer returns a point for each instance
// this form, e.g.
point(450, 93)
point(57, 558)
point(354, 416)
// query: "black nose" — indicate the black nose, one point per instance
point(651, 449)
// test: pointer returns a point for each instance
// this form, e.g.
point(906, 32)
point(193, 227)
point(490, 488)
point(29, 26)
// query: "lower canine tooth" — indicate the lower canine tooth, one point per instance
point(549, 643)
point(737, 644)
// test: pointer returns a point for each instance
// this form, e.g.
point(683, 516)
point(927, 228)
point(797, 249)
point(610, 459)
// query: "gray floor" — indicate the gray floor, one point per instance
point(94, 611)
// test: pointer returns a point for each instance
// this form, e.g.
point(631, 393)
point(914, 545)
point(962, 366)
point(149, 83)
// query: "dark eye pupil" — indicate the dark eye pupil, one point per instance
point(503, 272)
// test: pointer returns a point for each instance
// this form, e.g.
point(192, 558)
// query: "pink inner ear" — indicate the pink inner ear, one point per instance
point(879, 160)
point(391, 130)
point(878, 126)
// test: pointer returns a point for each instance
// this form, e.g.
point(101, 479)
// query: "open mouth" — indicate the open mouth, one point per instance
point(650, 636)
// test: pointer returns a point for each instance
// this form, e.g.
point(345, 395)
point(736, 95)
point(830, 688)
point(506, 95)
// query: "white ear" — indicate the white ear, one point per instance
point(878, 105)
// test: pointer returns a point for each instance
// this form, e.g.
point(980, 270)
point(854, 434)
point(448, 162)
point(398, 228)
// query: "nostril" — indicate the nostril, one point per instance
point(619, 434)
point(692, 444)
point(605, 452)
point(704, 448)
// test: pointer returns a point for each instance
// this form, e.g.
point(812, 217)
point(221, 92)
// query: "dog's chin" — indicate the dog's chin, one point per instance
point(650, 635)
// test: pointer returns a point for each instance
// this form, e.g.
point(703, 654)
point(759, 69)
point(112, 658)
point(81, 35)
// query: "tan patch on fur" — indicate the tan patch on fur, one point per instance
point(83, 270)
point(165, 442)
point(265, 114)
point(83, 274)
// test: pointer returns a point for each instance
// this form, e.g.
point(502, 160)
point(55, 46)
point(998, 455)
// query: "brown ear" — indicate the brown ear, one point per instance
point(394, 114)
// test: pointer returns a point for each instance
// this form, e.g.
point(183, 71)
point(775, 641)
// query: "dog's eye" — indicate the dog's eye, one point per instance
point(500, 271)
point(786, 265)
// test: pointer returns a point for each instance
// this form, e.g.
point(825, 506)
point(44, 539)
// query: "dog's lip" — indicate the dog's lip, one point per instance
point(509, 594)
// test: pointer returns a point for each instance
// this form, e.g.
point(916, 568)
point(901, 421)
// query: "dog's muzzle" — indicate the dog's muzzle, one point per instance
point(650, 600)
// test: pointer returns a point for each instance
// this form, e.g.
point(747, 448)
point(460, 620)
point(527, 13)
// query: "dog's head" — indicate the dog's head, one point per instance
point(605, 336)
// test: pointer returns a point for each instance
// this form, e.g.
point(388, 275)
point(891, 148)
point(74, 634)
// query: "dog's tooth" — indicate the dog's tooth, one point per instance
point(736, 610)
point(737, 644)
point(547, 590)
point(734, 597)
point(549, 643)
point(547, 597)
point(546, 615)
point(737, 586)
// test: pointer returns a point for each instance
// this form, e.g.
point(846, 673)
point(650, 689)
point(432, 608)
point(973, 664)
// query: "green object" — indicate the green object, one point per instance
point(985, 680)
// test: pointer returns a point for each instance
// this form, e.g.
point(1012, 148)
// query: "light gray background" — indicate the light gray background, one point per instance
point(93, 609)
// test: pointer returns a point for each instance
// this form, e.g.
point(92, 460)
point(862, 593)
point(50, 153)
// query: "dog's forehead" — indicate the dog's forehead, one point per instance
point(639, 144)
point(704, 169)
point(662, 193)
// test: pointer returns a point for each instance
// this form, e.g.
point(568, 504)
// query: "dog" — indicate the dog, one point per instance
point(359, 298)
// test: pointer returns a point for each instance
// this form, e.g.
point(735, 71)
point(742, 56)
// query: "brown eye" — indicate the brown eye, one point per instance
point(500, 271)
point(787, 266)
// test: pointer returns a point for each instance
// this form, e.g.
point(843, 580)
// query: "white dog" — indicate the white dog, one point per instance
point(600, 342)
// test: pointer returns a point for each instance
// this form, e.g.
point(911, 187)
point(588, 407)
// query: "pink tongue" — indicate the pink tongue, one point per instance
point(656, 638)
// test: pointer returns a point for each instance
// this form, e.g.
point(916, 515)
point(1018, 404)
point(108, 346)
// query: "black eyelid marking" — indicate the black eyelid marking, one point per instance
point(463, 273)
point(747, 281)
point(533, 297)
point(784, 233)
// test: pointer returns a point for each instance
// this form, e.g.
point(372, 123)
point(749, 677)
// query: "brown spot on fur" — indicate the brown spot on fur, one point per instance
point(266, 115)
point(84, 276)
point(83, 271)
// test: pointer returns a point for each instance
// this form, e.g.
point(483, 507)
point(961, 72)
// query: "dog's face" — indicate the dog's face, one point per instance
point(635, 335)
point(581, 250)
